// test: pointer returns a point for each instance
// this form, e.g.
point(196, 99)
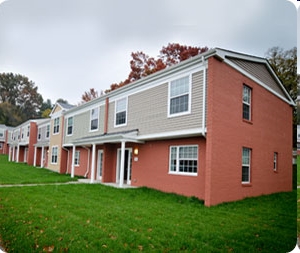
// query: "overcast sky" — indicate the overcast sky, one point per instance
point(67, 47)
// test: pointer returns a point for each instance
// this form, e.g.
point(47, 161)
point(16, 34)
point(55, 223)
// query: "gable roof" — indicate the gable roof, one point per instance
point(61, 107)
point(257, 69)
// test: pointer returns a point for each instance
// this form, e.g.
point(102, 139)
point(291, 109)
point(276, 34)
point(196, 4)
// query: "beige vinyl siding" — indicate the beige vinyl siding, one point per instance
point(81, 126)
point(148, 110)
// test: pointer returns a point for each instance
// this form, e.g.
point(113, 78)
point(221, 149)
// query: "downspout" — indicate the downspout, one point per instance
point(88, 163)
point(204, 99)
point(106, 115)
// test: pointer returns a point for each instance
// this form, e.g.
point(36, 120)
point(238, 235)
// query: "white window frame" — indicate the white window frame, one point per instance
point(275, 162)
point(47, 132)
point(28, 131)
point(189, 93)
point(1, 133)
point(39, 133)
point(56, 125)
point(93, 117)
point(178, 159)
point(121, 111)
point(53, 154)
point(247, 101)
point(248, 165)
point(70, 126)
point(77, 158)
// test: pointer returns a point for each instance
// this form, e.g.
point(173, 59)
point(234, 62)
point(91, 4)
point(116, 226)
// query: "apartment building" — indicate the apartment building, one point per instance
point(217, 126)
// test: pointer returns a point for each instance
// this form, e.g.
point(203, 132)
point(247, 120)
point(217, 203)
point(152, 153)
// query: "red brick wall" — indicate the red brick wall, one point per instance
point(32, 141)
point(152, 168)
point(270, 131)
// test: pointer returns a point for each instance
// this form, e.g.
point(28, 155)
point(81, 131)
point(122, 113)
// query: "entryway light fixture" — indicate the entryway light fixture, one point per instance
point(136, 151)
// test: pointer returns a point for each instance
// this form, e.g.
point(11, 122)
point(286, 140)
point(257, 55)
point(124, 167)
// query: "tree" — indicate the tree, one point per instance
point(175, 53)
point(284, 63)
point(89, 95)
point(20, 96)
point(143, 65)
point(9, 114)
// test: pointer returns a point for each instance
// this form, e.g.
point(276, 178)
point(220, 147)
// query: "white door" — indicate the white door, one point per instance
point(100, 164)
point(127, 166)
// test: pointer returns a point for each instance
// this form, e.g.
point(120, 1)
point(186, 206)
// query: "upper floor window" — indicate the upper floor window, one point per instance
point(28, 131)
point(246, 162)
point(56, 126)
point(94, 119)
point(184, 159)
point(47, 131)
point(1, 133)
point(39, 133)
point(70, 126)
point(179, 96)
point(121, 112)
point(247, 102)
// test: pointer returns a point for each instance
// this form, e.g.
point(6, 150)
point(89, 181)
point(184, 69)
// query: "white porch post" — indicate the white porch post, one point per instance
point(9, 153)
point(73, 161)
point(13, 154)
point(93, 164)
point(34, 156)
point(18, 153)
point(122, 164)
point(42, 157)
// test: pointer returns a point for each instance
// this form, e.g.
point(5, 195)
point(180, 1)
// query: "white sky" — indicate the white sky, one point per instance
point(67, 47)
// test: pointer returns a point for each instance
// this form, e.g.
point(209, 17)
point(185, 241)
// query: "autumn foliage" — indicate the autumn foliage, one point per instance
point(143, 65)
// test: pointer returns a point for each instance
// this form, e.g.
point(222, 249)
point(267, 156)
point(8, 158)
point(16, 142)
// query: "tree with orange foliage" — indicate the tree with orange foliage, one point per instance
point(143, 65)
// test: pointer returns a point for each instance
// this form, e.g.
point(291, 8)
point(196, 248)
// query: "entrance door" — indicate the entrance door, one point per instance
point(127, 166)
point(100, 164)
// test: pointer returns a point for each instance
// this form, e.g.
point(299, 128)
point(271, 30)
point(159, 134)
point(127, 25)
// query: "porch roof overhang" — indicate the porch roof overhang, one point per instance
point(118, 137)
point(42, 144)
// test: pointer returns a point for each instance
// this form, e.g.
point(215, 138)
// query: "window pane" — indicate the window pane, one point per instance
point(121, 105)
point(246, 94)
point(121, 118)
point(246, 112)
point(246, 156)
point(245, 174)
point(179, 104)
point(94, 124)
point(179, 86)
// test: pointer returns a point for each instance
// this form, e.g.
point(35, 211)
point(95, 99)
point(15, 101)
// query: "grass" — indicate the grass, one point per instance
point(21, 173)
point(93, 218)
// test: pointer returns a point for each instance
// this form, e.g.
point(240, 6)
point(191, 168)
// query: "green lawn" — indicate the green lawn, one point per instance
point(96, 218)
point(20, 173)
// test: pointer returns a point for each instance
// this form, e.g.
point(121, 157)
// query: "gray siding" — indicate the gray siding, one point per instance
point(81, 126)
point(148, 110)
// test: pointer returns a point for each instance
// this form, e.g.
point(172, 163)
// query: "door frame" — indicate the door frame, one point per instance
point(129, 165)
point(99, 164)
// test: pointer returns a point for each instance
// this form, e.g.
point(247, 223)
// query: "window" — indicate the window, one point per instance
point(184, 159)
point(246, 102)
point(275, 164)
point(179, 91)
point(54, 155)
point(28, 131)
point(246, 161)
point(47, 131)
point(94, 119)
point(56, 126)
point(39, 133)
point(121, 112)
point(70, 126)
point(1, 133)
point(77, 158)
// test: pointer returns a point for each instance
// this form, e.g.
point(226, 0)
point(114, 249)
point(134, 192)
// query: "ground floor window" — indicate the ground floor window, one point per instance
point(275, 163)
point(183, 160)
point(77, 157)
point(54, 155)
point(246, 161)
